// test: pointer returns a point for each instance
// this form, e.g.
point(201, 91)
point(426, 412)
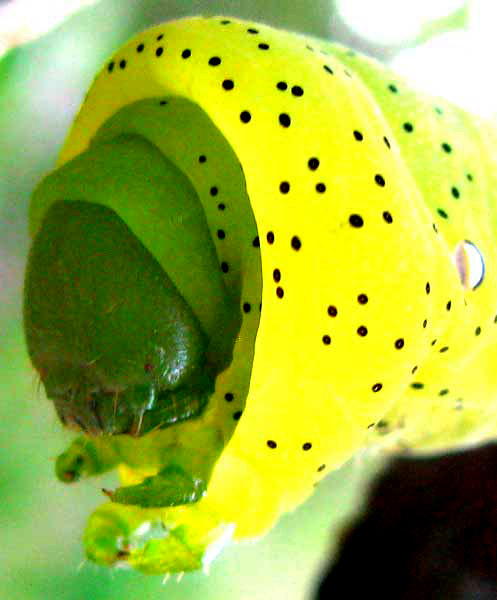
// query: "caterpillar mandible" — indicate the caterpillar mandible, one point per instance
point(252, 260)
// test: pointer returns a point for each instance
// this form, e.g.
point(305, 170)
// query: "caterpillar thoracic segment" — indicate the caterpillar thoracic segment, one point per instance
point(275, 235)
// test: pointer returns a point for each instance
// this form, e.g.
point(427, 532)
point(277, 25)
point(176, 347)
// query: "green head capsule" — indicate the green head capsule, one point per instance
point(117, 346)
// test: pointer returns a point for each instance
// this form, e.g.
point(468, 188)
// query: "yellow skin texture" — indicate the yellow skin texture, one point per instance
point(303, 390)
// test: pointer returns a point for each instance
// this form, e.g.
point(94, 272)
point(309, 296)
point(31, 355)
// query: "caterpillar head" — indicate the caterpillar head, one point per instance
point(117, 346)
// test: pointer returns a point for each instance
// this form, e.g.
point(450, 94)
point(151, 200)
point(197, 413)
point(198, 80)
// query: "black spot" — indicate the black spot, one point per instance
point(202, 158)
point(237, 415)
point(455, 192)
point(284, 120)
point(284, 187)
point(313, 163)
point(425, 323)
point(186, 53)
point(321, 468)
point(417, 386)
point(320, 187)
point(356, 221)
point(427, 287)
point(388, 217)
point(159, 37)
point(159, 51)
point(297, 90)
point(228, 84)
point(214, 61)
point(379, 180)
point(221, 206)
point(332, 311)
point(162, 103)
point(362, 299)
point(328, 69)
point(446, 147)
point(225, 22)
point(393, 88)
point(281, 85)
point(448, 305)
point(228, 397)
point(307, 446)
point(245, 116)
point(362, 331)
point(140, 47)
point(377, 387)
point(279, 292)
point(246, 307)
point(326, 340)
point(435, 228)
point(399, 343)
point(387, 142)
point(277, 275)
point(296, 243)
point(408, 127)
point(442, 213)
point(270, 237)
point(263, 46)
point(469, 177)
point(414, 369)
point(221, 234)
point(444, 349)
point(213, 191)
point(255, 242)
point(478, 330)
point(122, 64)
point(224, 267)
point(443, 392)
point(252, 30)
point(271, 443)
point(358, 136)
point(110, 67)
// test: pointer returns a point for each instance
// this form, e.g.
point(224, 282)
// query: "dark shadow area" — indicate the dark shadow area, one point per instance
point(429, 530)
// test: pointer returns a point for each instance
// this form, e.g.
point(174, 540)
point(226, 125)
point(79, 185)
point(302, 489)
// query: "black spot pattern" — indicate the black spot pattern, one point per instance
point(292, 92)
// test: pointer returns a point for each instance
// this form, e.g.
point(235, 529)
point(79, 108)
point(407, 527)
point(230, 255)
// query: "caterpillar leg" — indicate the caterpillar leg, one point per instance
point(155, 541)
point(171, 486)
point(184, 538)
point(85, 457)
point(183, 476)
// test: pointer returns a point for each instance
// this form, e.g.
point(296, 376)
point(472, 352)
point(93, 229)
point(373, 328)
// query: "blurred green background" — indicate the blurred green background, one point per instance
point(42, 84)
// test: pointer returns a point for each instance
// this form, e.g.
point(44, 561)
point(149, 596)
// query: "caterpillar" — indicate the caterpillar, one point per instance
point(259, 253)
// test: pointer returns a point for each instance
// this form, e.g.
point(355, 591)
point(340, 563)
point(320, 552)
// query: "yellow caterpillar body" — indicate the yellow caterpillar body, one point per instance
point(347, 203)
